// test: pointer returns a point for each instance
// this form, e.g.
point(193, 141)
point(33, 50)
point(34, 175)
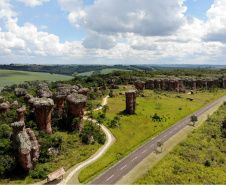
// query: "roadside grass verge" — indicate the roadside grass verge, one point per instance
point(198, 159)
point(137, 129)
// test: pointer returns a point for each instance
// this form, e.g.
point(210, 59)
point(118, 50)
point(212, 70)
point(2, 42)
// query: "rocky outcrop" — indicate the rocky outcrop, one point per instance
point(20, 92)
point(4, 108)
point(79, 86)
point(149, 84)
point(105, 87)
point(31, 103)
point(59, 97)
point(43, 108)
point(14, 105)
point(25, 145)
point(140, 85)
point(27, 97)
point(44, 91)
point(76, 104)
point(224, 83)
point(83, 91)
point(20, 113)
point(131, 101)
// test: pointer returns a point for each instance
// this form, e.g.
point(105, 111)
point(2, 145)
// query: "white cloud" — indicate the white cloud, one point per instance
point(33, 3)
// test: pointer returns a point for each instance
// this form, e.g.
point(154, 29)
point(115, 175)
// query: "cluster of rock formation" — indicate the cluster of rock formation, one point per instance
point(25, 145)
point(131, 101)
point(6, 106)
point(44, 91)
point(20, 92)
point(178, 85)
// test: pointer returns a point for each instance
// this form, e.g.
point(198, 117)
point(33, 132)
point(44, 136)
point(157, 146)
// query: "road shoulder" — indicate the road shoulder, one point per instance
point(153, 158)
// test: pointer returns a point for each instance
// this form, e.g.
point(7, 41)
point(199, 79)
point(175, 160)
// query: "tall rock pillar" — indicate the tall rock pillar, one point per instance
point(131, 101)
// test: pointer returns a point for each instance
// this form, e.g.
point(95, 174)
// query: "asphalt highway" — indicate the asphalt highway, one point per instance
point(120, 169)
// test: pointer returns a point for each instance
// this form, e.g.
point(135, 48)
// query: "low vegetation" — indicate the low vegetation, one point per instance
point(199, 159)
point(148, 121)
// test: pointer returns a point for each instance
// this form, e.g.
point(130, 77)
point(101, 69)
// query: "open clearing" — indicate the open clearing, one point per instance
point(10, 77)
point(137, 129)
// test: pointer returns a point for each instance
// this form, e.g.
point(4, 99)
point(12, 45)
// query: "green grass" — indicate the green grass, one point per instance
point(106, 71)
point(85, 73)
point(10, 77)
point(138, 128)
point(198, 159)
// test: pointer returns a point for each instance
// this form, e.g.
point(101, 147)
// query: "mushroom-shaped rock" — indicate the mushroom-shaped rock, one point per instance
point(24, 142)
point(76, 105)
point(27, 97)
point(44, 93)
point(131, 101)
point(14, 105)
point(75, 87)
point(31, 103)
point(20, 92)
point(20, 113)
point(83, 91)
point(43, 108)
point(4, 107)
point(59, 98)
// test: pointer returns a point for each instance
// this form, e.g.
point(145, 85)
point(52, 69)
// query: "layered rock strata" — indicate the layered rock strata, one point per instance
point(76, 104)
point(43, 108)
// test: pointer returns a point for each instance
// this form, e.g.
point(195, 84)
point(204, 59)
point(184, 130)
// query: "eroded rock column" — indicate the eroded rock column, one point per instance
point(20, 113)
point(43, 108)
point(131, 101)
point(4, 108)
point(76, 104)
point(26, 146)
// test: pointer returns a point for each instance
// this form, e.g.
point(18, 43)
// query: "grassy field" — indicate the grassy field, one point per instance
point(106, 71)
point(86, 73)
point(10, 77)
point(138, 128)
point(198, 159)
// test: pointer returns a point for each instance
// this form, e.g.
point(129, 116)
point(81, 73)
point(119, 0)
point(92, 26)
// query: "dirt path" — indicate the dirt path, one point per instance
point(71, 176)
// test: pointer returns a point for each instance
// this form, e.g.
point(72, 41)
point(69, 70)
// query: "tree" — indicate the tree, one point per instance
point(160, 144)
point(105, 108)
point(100, 121)
point(194, 118)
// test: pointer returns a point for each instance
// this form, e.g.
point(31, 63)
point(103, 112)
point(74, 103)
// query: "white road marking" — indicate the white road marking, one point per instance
point(134, 158)
point(123, 167)
point(144, 151)
point(152, 145)
point(110, 177)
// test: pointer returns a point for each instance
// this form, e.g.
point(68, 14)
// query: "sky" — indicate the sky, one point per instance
point(113, 32)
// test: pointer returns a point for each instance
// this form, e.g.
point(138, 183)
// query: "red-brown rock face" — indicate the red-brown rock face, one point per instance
point(131, 101)
point(43, 108)
point(157, 84)
point(14, 105)
point(4, 107)
point(224, 83)
point(140, 85)
point(149, 84)
point(20, 113)
point(25, 145)
point(20, 92)
point(76, 106)
point(105, 87)
point(31, 103)
point(59, 97)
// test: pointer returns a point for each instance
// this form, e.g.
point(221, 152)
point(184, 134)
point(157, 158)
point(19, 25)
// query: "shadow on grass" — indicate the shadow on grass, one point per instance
point(157, 152)
point(124, 113)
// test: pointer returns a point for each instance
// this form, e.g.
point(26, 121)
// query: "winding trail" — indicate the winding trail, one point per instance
point(109, 141)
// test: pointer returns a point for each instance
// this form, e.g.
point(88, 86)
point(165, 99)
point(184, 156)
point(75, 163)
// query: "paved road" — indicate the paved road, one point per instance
point(120, 169)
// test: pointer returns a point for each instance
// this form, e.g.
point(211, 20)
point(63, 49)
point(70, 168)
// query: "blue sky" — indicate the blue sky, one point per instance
point(113, 31)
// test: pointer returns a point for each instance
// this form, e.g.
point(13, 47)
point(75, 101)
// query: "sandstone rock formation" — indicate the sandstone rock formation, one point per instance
point(14, 105)
point(20, 113)
point(20, 92)
point(131, 101)
point(79, 86)
point(31, 103)
point(25, 145)
point(27, 97)
point(149, 84)
point(224, 83)
point(76, 106)
point(43, 108)
point(140, 85)
point(4, 107)
point(44, 91)
point(83, 91)
point(2, 99)
point(105, 87)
